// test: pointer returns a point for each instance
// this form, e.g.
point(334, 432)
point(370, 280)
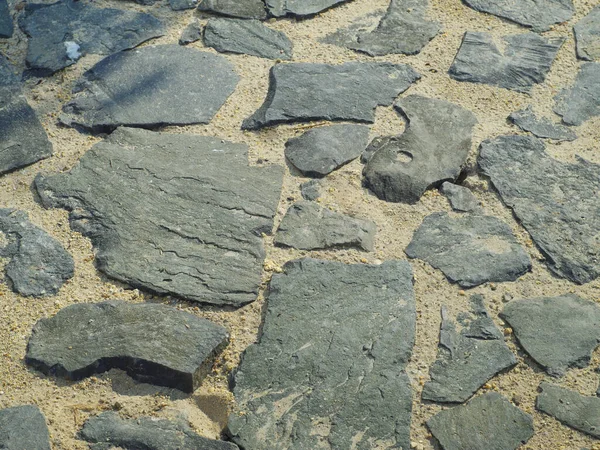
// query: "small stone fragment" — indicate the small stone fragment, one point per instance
point(461, 198)
point(6, 21)
point(243, 9)
point(191, 33)
point(541, 127)
point(311, 190)
point(580, 102)
point(23, 428)
point(300, 8)
point(587, 35)
point(180, 5)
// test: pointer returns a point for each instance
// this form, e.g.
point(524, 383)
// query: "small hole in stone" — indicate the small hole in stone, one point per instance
point(404, 157)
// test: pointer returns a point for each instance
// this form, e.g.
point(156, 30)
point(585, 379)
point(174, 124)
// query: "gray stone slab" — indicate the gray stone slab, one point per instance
point(23, 428)
point(555, 202)
point(587, 36)
point(6, 21)
point(541, 127)
point(580, 102)
point(460, 198)
point(243, 9)
point(328, 370)
point(311, 190)
point(171, 213)
point(300, 8)
point(191, 33)
point(181, 5)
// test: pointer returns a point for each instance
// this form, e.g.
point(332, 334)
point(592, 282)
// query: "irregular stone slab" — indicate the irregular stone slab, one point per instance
point(329, 366)
point(23, 427)
point(171, 213)
point(541, 127)
point(311, 190)
point(461, 198)
point(554, 201)
point(153, 343)
point(488, 421)
point(6, 22)
point(244, 9)
point(304, 92)
point(38, 265)
point(526, 61)
point(580, 102)
point(433, 148)
point(300, 8)
point(62, 32)
point(308, 226)
point(180, 5)
point(248, 37)
point(470, 249)
point(557, 332)
point(322, 150)
point(191, 33)
point(125, 88)
point(587, 36)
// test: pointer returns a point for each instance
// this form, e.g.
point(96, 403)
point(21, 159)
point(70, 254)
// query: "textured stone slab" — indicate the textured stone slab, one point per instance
point(181, 5)
point(461, 198)
point(300, 8)
point(329, 367)
point(6, 21)
point(541, 127)
point(580, 102)
point(311, 190)
point(23, 428)
point(555, 201)
point(244, 9)
point(526, 61)
point(587, 36)
point(304, 92)
point(191, 33)
point(171, 213)
point(151, 87)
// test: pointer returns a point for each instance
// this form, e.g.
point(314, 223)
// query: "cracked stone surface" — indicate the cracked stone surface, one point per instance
point(541, 127)
point(171, 213)
point(587, 36)
point(23, 428)
point(580, 102)
point(191, 33)
point(6, 22)
point(460, 198)
point(300, 8)
point(243, 9)
point(329, 365)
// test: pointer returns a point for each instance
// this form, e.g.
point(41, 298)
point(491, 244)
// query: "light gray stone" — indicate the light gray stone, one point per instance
point(191, 33)
point(580, 102)
point(587, 36)
point(243, 9)
point(541, 127)
point(461, 198)
point(6, 21)
point(311, 190)
point(300, 8)
point(23, 428)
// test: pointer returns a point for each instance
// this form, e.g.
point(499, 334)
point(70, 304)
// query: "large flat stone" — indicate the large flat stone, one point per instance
point(587, 36)
point(300, 8)
point(328, 370)
point(580, 102)
point(6, 21)
point(244, 9)
point(23, 428)
point(541, 127)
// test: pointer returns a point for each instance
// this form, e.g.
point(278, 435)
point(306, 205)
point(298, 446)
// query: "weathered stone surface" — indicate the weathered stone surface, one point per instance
point(23, 428)
point(303, 92)
point(248, 37)
point(6, 21)
point(153, 343)
point(322, 150)
point(171, 213)
point(467, 360)
point(433, 148)
point(329, 367)
point(311, 190)
point(488, 422)
point(556, 202)
point(470, 249)
point(180, 5)
point(62, 32)
point(581, 101)
point(300, 8)
point(151, 87)
point(309, 226)
point(244, 9)
point(557, 332)
point(191, 33)
point(525, 62)
point(587, 36)
point(541, 127)
point(460, 197)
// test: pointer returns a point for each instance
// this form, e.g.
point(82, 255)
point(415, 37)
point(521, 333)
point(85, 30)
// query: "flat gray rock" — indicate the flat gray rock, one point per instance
point(191, 33)
point(6, 21)
point(311, 190)
point(488, 422)
point(433, 148)
point(557, 332)
point(300, 8)
point(526, 61)
point(470, 249)
point(248, 37)
point(151, 87)
point(587, 36)
point(328, 370)
point(541, 127)
point(580, 102)
point(171, 213)
point(555, 201)
point(181, 5)
point(243, 9)
point(460, 198)
point(153, 343)
point(23, 428)
point(304, 92)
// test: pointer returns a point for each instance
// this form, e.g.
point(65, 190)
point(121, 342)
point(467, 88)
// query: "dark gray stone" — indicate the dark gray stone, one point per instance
point(541, 127)
point(151, 87)
point(581, 101)
point(243, 9)
point(304, 92)
point(587, 36)
point(556, 202)
point(433, 148)
point(191, 33)
point(526, 61)
point(23, 428)
point(62, 32)
point(322, 150)
point(171, 213)
point(248, 37)
point(328, 370)
point(470, 249)
point(6, 21)
point(311, 190)
point(153, 343)
point(180, 5)
point(461, 198)
point(488, 422)
point(557, 332)
point(300, 8)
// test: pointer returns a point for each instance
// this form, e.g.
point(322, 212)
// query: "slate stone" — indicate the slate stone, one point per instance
point(488, 422)
point(461, 198)
point(433, 148)
point(300, 8)
point(541, 127)
point(526, 61)
point(171, 213)
point(107, 431)
point(322, 150)
point(303, 92)
point(328, 369)
point(554, 201)
point(152, 342)
point(248, 37)
point(191, 33)
point(311, 190)
point(60, 33)
point(243, 9)
point(151, 87)
point(587, 36)
point(181, 5)
point(308, 226)
point(557, 332)
point(6, 21)
point(580, 102)
point(23, 427)
point(470, 249)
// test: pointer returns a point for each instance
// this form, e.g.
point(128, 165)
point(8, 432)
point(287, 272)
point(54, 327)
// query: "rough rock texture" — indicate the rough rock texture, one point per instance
point(151, 87)
point(248, 37)
point(541, 127)
point(460, 197)
point(309, 226)
point(525, 62)
point(470, 249)
point(433, 148)
point(244, 9)
point(23, 428)
point(154, 343)
point(171, 213)
point(557, 332)
point(311, 190)
point(300, 8)
point(62, 32)
point(302, 92)
point(191, 33)
point(6, 22)
point(587, 36)
point(180, 5)
point(555, 202)
point(488, 422)
point(582, 101)
point(329, 366)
